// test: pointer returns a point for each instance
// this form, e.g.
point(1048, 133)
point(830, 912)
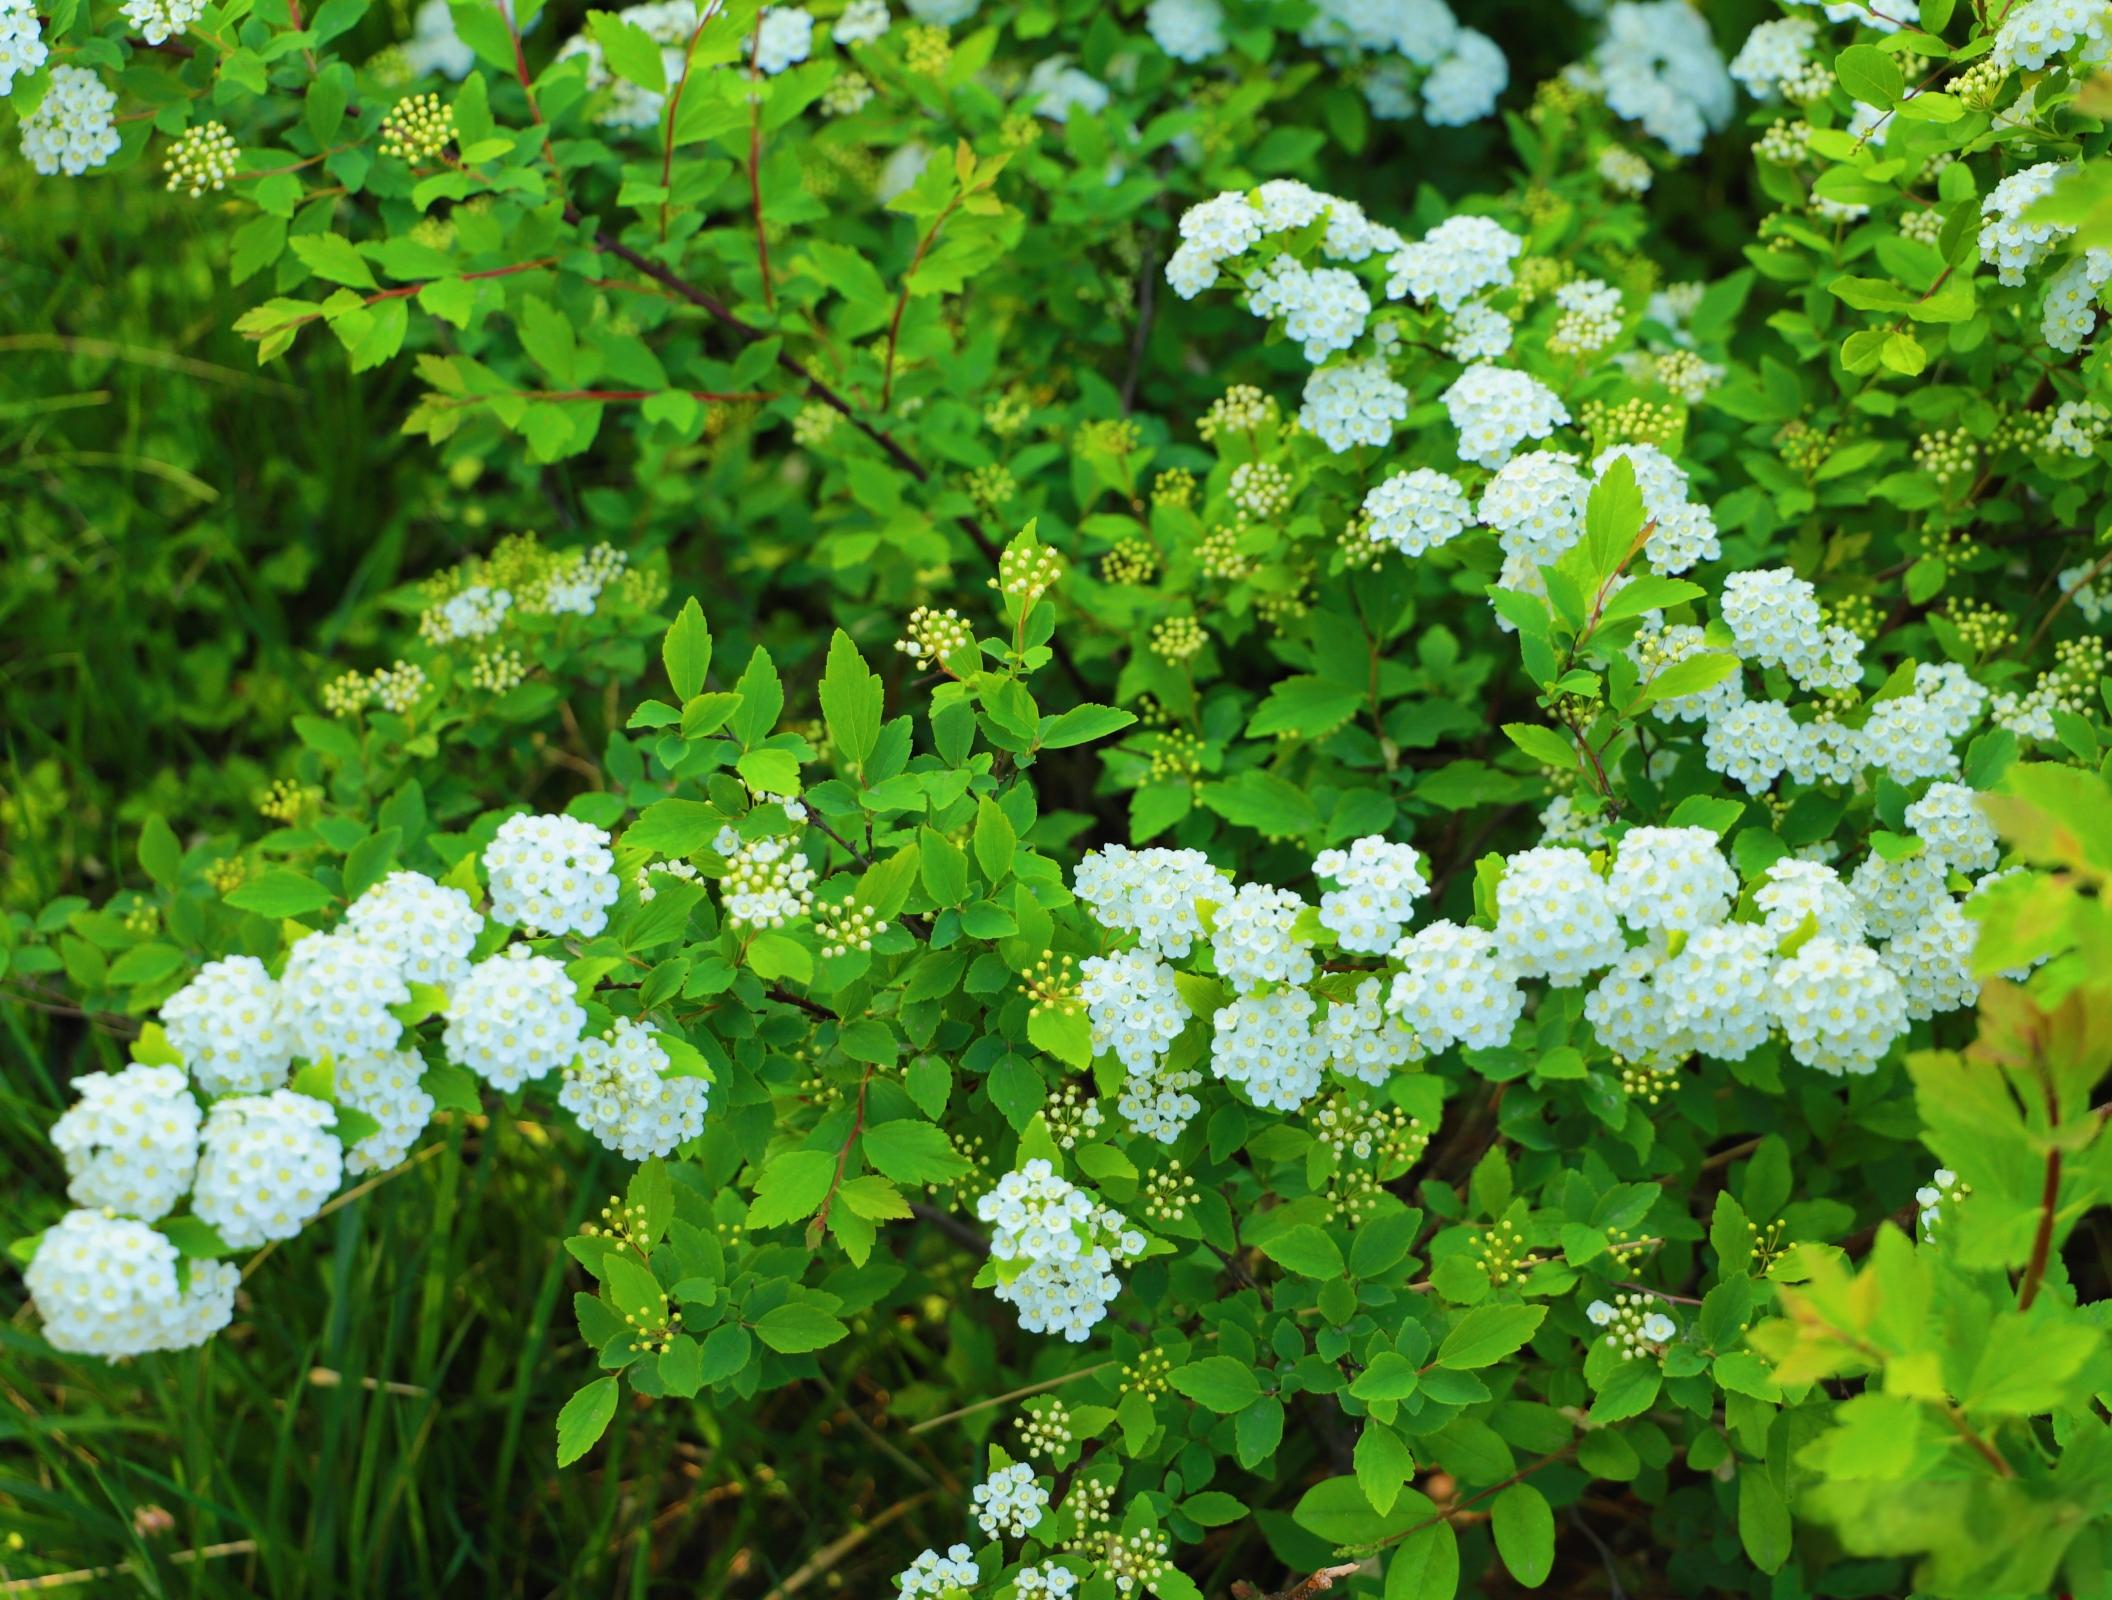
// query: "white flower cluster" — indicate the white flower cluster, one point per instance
point(551, 874)
point(1255, 940)
point(1152, 893)
point(229, 1026)
point(387, 1088)
point(426, 930)
point(1229, 224)
point(1670, 880)
point(862, 22)
point(1187, 30)
point(2069, 314)
point(1352, 403)
point(1377, 884)
point(1416, 511)
point(1774, 56)
point(1774, 616)
point(1496, 409)
point(768, 882)
point(1840, 1005)
point(474, 612)
point(1658, 67)
point(266, 1164)
point(1455, 988)
point(1056, 1250)
point(1554, 917)
point(516, 1016)
point(337, 991)
point(783, 37)
point(1631, 1327)
point(130, 1141)
point(159, 20)
point(435, 46)
point(932, 1575)
point(1046, 1582)
point(1009, 1503)
point(1057, 89)
point(1323, 308)
point(1955, 830)
point(22, 47)
point(1265, 1043)
point(108, 1286)
point(2011, 242)
point(2034, 32)
point(1133, 1005)
point(620, 1090)
point(1454, 262)
point(1411, 45)
point(74, 127)
point(669, 23)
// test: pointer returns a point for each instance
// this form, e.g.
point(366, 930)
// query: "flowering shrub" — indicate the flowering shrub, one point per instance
point(1409, 887)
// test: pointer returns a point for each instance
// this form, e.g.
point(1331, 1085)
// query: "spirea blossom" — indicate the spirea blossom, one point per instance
point(107, 1286)
point(1353, 403)
point(1955, 832)
point(1715, 991)
point(1361, 1041)
point(1774, 50)
point(621, 1091)
point(1750, 743)
point(266, 1164)
point(551, 875)
point(1896, 895)
point(1455, 988)
point(1496, 409)
point(387, 1088)
point(426, 930)
point(1377, 884)
point(1323, 308)
point(1793, 890)
point(1254, 939)
point(129, 1141)
point(862, 22)
point(1671, 879)
point(1535, 502)
point(22, 47)
point(1009, 1503)
point(1933, 962)
point(1906, 738)
point(1554, 918)
point(1133, 1006)
point(1453, 262)
point(159, 20)
point(783, 36)
point(2035, 32)
point(1627, 1011)
point(1658, 67)
point(337, 991)
point(1955, 697)
point(1055, 1249)
point(1463, 87)
point(229, 1025)
point(1840, 1006)
point(1187, 30)
point(1152, 893)
point(1416, 511)
point(931, 1574)
point(2012, 243)
point(74, 127)
point(516, 1016)
point(768, 882)
point(1265, 1043)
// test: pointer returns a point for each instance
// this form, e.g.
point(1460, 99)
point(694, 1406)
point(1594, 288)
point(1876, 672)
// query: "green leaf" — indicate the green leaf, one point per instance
point(1306, 1251)
point(1487, 1334)
point(632, 54)
point(852, 702)
point(1525, 1533)
point(1217, 1383)
point(1383, 1465)
point(1630, 1390)
point(945, 867)
point(333, 258)
point(1264, 802)
point(1213, 1509)
point(584, 1419)
point(281, 892)
point(1763, 1518)
point(1870, 74)
point(995, 839)
point(795, 1328)
point(159, 852)
point(1064, 1031)
point(1544, 745)
point(910, 1151)
point(1425, 1566)
point(790, 1187)
point(1082, 724)
point(686, 650)
point(769, 771)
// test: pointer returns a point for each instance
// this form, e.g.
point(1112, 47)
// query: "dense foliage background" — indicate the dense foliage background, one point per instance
point(261, 437)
